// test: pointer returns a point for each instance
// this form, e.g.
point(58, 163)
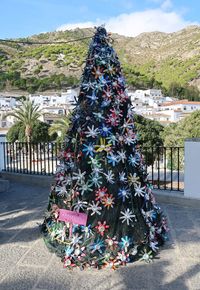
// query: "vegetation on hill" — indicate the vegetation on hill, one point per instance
point(149, 60)
point(150, 135)
point(33, 84)
point(189, 92)
point(174, 135)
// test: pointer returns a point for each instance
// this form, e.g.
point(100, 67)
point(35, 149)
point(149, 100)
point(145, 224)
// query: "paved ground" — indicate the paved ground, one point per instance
point(25, 263)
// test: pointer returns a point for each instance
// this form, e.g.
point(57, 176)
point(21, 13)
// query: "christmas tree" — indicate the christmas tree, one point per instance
point(101, 210)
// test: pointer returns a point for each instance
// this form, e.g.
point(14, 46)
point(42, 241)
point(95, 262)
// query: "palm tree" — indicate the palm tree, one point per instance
point(60, 126)
point(28, 114)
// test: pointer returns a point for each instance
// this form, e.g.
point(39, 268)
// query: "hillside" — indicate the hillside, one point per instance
point(149, 59)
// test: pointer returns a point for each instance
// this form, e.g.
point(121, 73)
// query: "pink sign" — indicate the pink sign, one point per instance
point(73, 217)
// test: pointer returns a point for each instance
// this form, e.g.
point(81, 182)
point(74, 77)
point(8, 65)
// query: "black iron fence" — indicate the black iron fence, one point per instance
point(31, 158)
point(165, 165)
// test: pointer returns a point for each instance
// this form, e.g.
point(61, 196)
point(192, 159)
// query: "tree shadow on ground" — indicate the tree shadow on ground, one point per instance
point(23, 206)
point(159, 279)
point(133, 277)
point(21, 210)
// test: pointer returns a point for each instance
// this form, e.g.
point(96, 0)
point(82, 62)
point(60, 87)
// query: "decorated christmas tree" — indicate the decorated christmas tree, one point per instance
point(101, 210)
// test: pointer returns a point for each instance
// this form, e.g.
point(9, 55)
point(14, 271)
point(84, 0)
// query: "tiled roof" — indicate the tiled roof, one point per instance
point(181, 102)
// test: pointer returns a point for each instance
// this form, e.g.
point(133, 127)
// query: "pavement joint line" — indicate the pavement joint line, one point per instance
point(23, 227)
point(29, 249)
point(12, 246)
point(46, 268)
point(12, 265)
point(17, 264)
point(31, 266)
point(6, 275)
point(183, 278)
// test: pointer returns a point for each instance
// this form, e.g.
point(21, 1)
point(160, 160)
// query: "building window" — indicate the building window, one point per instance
point(60, 112)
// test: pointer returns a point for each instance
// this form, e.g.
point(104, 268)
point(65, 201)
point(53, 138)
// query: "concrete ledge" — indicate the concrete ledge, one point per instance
point(4, 185)
point(175, 197)
point(162, 196)
point(40, 180)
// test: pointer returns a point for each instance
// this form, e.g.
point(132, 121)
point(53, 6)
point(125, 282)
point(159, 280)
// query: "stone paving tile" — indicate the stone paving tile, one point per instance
point(5, 236)
point(187, 235)
point(135, 276)
point(75, 279)
point(22, 278)
point(168, 274)
point(26, 263)
point(38, 255)
point(190, 250)
point(181, 221)
point(28, 234)
point(9, 257)
point(92, 280)
point(194, 215)
point(167, 253)
point(6, 214)
point(19, 219)
point(193, 273)
point(2, 223)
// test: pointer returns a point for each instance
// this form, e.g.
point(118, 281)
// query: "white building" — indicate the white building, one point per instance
point(7, 102)
point(149, 97)
point(52, 106)
point(64, 100)
point(171, 112)
point(50, 114)
point(182, 105)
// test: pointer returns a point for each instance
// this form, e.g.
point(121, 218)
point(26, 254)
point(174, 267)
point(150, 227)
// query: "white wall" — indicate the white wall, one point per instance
point(192, 168)
point(54, 100)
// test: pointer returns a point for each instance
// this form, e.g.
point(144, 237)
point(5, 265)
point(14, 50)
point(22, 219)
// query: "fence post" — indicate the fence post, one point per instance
point(2, 156)
point(192, 168)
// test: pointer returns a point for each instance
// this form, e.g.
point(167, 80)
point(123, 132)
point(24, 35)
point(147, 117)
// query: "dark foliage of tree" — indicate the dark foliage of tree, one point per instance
point(39, 133)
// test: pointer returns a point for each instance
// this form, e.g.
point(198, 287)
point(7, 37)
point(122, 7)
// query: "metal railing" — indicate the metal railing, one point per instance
point(31, 158)
point(165, 165)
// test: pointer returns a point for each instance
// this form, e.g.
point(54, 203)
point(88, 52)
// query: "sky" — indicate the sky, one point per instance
point(22, 18)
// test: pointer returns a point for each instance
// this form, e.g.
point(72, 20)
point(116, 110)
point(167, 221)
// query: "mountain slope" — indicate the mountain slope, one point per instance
point(165, 57)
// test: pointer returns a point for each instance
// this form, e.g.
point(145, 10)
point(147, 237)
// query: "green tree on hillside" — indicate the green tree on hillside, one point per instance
point(174, 135)
point(150, 131)
point(184, 92)
point(150, 135)
point(189, 127)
